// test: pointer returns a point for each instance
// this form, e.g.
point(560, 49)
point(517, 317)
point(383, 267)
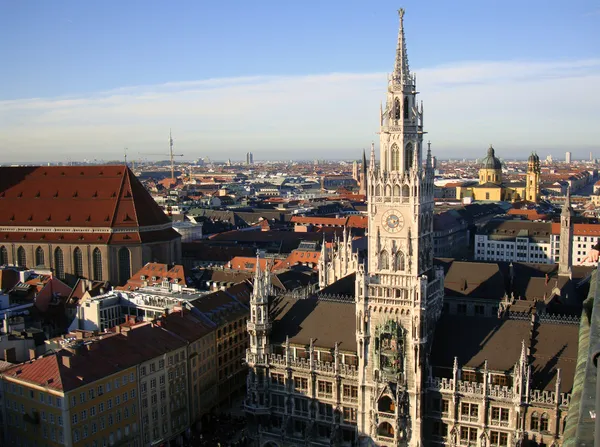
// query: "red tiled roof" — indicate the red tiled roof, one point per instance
point(248, 263)
point(175, 275)
point(76, 196)
point(333, 221)
point(580, 229)
point(357, 222)
point(300, 257)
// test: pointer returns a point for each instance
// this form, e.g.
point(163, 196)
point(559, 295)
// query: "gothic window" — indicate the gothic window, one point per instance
point(399, 264)
point(405, 193)
point(544, 422)
point(21, 257)
point(378, 190)
point(405, 108)
point(78, 262)
point(397, 190)
point(395, 158)
point(124, 265)
point(397, 109)
point(97, 264)
point(59, 263)
point(535, 421)
point(384, 260)
point(39, 256)
point(3, 255)
point(408, 156)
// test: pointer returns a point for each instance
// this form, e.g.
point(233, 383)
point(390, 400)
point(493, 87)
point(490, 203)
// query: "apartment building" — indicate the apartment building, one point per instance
point(81, 396)
point(105, 311)
point(200, 335)
point(162, 382)
point(230, 317)
point(515, 241)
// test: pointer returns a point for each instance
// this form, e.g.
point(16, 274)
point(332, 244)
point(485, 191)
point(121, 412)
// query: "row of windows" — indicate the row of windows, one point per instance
point(48, 399)
point(59, 265)
point(106, 387)
point(51, 417)
point(470, 411)
point(240, 324)
point(85, 431)
point(83, 415)
point(55, 434)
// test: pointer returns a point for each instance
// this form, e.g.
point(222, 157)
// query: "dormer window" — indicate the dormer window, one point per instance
point(143, 277)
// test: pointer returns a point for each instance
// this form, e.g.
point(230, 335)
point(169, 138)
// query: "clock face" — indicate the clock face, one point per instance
point(393, 221)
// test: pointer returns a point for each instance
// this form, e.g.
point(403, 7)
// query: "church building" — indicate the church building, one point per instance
point(491, 185)
point(417, 353)
point(95, 222)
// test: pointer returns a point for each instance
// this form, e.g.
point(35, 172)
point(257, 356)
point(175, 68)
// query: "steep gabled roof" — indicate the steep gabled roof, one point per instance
point(76, 196)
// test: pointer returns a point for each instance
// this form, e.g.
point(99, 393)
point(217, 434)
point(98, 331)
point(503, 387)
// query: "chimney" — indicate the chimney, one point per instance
point(79, 335)
point(66, 360)
point(92, 346)
point(6, 324)
point(32, 354)
point(118, 329)
point(24, 275)
point(10, 355)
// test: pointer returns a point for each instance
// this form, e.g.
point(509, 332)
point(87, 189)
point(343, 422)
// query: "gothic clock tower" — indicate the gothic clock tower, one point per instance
point(399, 293)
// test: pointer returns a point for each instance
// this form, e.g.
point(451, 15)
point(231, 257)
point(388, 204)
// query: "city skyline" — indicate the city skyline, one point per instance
point(533, 88)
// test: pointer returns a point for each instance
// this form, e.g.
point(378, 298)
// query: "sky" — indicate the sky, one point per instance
point(292, 80)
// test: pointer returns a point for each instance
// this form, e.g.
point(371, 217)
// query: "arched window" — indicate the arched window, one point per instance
point(535, 421)
point(77, 262)
point(3, 255)
point(397, 109)
point(39, 256)
point(21, 257)
point(384, 260)
point(395, 158)
point(405, 108)
point(405, 193)
point(97, 264)
point(59, 263)
point(396, 190)
point(544, 422)
point(399, 261)
point(408, 156)
point(124, 265)
point(386, 404)
point(385, 429)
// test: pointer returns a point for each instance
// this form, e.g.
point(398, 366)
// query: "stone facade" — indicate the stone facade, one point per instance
point(386, 366)
point(337, 261)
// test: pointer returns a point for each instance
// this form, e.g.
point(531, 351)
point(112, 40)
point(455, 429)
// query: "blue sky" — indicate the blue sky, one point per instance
point(82, 77)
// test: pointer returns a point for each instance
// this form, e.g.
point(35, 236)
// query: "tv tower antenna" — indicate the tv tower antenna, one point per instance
point(171, 154)
point(125, 151)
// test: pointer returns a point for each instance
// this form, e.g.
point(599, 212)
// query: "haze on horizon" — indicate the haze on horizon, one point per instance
point(299, 81)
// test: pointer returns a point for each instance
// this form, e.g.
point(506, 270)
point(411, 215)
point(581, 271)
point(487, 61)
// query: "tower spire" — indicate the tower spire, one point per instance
point(372, 161)
point(429, 164)
point(171, 155)
point(565, 260)
point(567, 205)
point(401, 70)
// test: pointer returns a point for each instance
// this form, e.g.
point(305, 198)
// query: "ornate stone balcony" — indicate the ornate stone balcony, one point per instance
point(472, 388)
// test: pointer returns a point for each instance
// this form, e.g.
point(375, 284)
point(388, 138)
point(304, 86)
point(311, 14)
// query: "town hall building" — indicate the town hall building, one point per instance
point(418, 352)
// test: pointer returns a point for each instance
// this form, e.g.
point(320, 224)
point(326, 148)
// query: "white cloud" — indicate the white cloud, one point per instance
point(517, 105)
